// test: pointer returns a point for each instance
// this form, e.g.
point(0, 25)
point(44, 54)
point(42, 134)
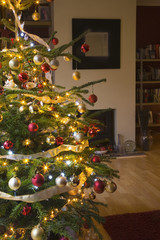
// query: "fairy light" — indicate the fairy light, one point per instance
point(68, 94)
point(19, 56)
point(10, 152)
point(27, 142)
point(56, 115)
point(44, 83)
point(34, 69)
point(32, 44)
point(16, 169)
point(53, 86)
point(80, 158)
point(3, 2)
point(23, 102)
point(26, 160)
point(17, 39)
point(68, 162)
point(5, 235)
point(22, 34)
point(50, 177)
point(57, 158)
point(4, 164)
point(45, 219)
point(45, 168)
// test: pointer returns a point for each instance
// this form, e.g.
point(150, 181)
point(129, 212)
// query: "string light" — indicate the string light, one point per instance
point(45, 168)
point(26, 160)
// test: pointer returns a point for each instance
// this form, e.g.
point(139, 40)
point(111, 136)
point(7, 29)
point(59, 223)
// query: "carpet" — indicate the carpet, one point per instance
point(134, 226)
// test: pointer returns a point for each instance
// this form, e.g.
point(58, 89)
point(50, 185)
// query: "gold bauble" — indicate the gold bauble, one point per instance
point(92, 195)
point(37, 233)
point(38, 59)
point(61, 181)
point(50, 140)
point(75, 181)
point(73, 192)
point(1, 117)
point(82, 108)
point(76, 75)
point(14, 183)
point(35, 16)
point(54, 64)
point(14, 64)
point(67, 59)
point(110, 187)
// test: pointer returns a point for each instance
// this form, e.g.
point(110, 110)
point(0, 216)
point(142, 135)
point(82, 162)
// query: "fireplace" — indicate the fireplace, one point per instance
point(106, 117)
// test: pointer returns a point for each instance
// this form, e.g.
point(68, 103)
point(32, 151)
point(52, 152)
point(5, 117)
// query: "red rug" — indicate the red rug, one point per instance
point(134, 226)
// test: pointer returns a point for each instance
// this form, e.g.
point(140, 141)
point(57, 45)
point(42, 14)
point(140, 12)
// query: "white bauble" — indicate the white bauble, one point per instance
point(38, 59)
point(37, 233)
point(14, 64)
point(14, 183)
point(54, 64)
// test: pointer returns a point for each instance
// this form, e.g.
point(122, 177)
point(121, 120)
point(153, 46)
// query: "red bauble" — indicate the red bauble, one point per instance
point(85, 129)
point(40, 85)
point(92, 98)
point(1, 90)
point(99, 186)
point(92, 132)
point(52, 108)
point(64, 238)
point(38, 180)
point(55, 41)
point(96, 159)
point(45, 67)
point(85, 48)
point(23, 77)
point(7, 145)
point(26, 210)
point(0, 65)
point(59, 140)
point(33, 127)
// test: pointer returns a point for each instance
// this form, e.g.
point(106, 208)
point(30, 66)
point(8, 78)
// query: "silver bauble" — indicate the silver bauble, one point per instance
point(37, 233)
point(14, 64)
point(61, 181)
point(14, 183)
point(82, 108)
point(33, 108)
point(54, 64)
point(21, 109)
point(110, 187)
point(79, 137)
point(50, 139)
point(38, 59)
point(75, 181)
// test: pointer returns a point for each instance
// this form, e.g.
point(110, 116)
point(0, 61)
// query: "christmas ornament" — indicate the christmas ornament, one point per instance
point(33, 108)
point(76, 75)
point(9, 83)
point(7, 145)
point(38, 59)
point(23, 77)
point(35, 16)
point(50, 140)
point(37, 233)
point(64, 238)
point(1, 90)
point(14, 63)
point(14, 183)
point(67, 59)
point(92, 195)
point(96, 159)
point(54, 64)
point(40, 85)
point(45, 67)
point(87, 184)
point(85, 129)
point(38, 180)
point(92, 132)
point(99, 186)
point(61, 181)
point(1, 117)
point(21, 109)
point(73, 192)
point(82, 108)
point(51, 108)
point(79, 136)
point(59, 140)
point(75, 181)
point(0, 65)
point(26, 210)
point(85, 48)
point(55, 41)
point(110, 187)
point(33, 127)
point(92, 98)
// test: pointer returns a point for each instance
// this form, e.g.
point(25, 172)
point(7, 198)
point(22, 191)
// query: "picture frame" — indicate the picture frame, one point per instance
point(45, 14)
point(104, 36)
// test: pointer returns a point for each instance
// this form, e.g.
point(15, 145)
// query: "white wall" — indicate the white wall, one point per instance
point(119, 91)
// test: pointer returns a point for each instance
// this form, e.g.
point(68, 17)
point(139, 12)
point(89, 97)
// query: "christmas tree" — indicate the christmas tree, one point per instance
point(49, 172)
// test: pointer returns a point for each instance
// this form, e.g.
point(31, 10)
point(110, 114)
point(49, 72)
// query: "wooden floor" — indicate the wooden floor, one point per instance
point(138, 187)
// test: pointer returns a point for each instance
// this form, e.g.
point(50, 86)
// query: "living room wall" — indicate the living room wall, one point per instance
point(119, 90)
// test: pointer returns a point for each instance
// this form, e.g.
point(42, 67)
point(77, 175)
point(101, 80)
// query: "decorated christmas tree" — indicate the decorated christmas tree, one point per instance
point(50, 172)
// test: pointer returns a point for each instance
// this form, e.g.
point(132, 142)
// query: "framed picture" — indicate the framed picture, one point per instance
point(44, 12)
point(103, 39)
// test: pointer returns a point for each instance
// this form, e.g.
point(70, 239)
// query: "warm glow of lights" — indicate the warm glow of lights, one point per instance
point(44, 83)
point(45, 218)
point(37, 2)
point(80, 158)
point(53, 86)
point(23, 102)
point(75, 161)
point(61, 158)
point(26, 160)
point(68, 94)
point(75, 199)
point(16, 169)
point(27, 142)
point(69, 201)
point(5, 235)
point(56, 115)
point(11, 228)
point(35, 78)
point(4, 163)
point(21, 46)
point(45, 168)
point(19, 56)
point(34, 69)
point(17, 39)
point(57, 158)
point(3, 2)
